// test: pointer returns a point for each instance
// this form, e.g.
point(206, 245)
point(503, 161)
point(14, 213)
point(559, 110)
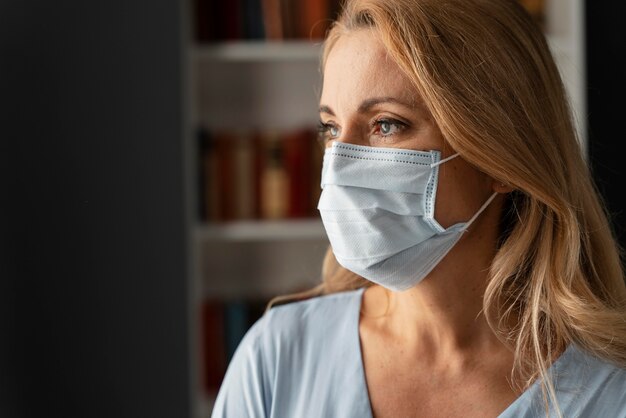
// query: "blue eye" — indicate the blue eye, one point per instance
point(385, 127)
point(328, 130)
point(388, 127)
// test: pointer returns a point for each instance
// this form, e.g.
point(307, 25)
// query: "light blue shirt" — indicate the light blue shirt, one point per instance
point(303, 360)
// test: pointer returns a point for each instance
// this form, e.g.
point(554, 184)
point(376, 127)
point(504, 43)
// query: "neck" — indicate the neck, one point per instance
point(443, 315)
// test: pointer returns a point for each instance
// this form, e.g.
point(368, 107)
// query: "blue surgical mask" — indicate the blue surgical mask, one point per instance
point(378, 205)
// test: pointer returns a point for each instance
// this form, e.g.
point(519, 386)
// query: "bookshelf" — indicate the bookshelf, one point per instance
point(256, 85)
point(259, 51)
point(249, 86)
point(246, 231)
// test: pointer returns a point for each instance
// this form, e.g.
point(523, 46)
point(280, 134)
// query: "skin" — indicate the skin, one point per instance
point(427, 351)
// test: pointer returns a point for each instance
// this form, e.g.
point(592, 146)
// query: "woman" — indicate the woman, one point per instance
point(472, 269)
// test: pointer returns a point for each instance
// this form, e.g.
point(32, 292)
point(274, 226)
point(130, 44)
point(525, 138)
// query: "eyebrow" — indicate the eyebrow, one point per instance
point(369, 103)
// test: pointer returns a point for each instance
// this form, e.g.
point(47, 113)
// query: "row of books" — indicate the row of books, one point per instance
point(223, 324)
point(217, 20)
point(258, 175)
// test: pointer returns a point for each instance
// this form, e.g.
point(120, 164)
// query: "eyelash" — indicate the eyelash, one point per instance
point(394, 122)
point(324, 128)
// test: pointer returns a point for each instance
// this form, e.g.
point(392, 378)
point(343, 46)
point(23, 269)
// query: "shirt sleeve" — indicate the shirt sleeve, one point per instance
point(244, 392)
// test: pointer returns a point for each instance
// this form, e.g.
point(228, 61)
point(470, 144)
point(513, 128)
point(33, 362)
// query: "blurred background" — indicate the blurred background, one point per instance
point(159, 176)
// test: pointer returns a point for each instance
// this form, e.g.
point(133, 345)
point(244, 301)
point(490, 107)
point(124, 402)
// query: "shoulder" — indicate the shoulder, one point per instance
point(308, 314)
point(592, 386)
point(276, 368)
point(590, 366)
point(585, 386)
point(292, 325)
point(280, 355)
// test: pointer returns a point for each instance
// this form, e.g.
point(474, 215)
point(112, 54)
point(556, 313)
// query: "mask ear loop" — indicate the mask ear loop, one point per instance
point(482, 208)
point(444, 160)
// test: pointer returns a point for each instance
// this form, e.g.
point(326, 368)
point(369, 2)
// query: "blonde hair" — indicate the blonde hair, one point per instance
point(488, 78)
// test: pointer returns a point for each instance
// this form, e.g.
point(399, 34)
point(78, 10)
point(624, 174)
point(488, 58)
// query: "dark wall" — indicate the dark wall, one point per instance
point(606, 92)
point(93, 294)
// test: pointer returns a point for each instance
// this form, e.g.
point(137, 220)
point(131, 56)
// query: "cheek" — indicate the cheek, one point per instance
point(461, 191)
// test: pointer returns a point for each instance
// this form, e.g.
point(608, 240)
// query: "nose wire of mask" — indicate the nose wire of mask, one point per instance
point(377, 208)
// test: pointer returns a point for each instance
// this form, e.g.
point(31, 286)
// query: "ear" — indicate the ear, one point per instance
point(501, 187)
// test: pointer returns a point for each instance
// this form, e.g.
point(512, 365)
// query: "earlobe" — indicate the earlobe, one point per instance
point(501, 187)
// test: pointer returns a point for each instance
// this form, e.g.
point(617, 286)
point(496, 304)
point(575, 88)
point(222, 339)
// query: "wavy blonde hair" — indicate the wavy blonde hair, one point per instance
point(488, 78)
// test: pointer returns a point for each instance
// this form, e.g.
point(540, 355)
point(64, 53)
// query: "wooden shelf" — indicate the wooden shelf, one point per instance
point(258, 51)
point(261, 231)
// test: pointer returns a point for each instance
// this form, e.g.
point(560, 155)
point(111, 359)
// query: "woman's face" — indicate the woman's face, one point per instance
point(367, 100)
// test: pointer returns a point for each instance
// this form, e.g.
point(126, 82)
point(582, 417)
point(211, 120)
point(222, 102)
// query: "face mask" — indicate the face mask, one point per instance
point(377, 206)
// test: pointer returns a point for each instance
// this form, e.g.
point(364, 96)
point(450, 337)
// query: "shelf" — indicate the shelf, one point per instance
point(258, 51)
point(268, 51)
point(262, 231)
point(560, 45)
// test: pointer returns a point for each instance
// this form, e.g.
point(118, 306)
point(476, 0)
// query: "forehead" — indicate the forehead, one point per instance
point(359, 66)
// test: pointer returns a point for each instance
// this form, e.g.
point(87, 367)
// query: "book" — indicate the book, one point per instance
point(257, 170)
point(243, 176)
point(213, 345)
point(272, 19)
point(253, 27)
point(289, 18)
point(226, 193)
point(297, 155)
point(236, 325)
point(273, 177)
point(204, 29)
point(209, 198)
point(228, 20)
point(314, 19)
point(217, 20)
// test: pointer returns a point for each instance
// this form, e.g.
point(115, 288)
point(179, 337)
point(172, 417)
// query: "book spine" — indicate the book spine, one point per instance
point(274, 180)
point(257, 146)
point(213, 343)
point(243, 177)
point(210, 198)
point(272, 19)
point(253, 19)
point(237, 324)
point(314, 19)
point(297, 164)
point(229, 20)
point(289, 18)
point(204, 29)
point(225, 145)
